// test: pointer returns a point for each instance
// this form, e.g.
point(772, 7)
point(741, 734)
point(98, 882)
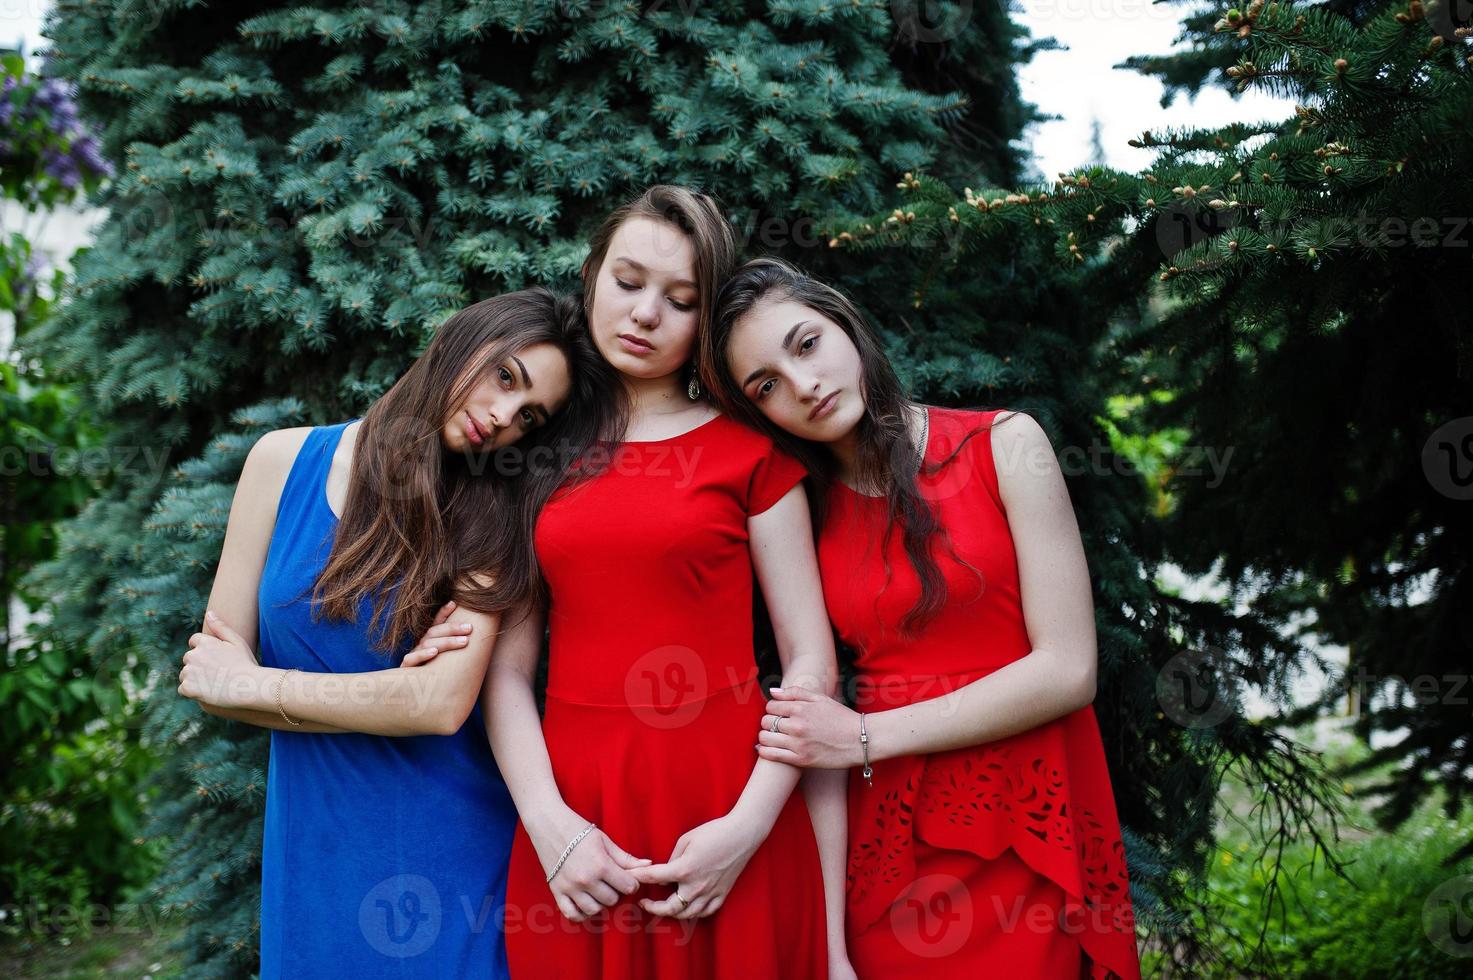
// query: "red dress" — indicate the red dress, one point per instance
point(653, 708)
point(1000, 859)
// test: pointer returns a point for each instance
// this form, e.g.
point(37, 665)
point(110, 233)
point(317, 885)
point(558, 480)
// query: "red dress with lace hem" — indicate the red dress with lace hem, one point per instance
point(1004, 856)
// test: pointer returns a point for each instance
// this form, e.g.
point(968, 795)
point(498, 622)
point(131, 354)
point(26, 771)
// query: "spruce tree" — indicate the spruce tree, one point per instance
point(1293, 293)
point(306, 192)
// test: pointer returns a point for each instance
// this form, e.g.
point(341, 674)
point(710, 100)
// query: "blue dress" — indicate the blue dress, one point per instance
point(382, 856)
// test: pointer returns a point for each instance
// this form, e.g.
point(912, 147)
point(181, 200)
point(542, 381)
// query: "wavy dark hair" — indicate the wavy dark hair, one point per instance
point(696, 214)
point(421, 524)
point(887, 454)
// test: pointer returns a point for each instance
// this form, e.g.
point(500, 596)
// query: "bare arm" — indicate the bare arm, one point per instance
point(826, 794)
point(1055, 678)
point(596, 873)
point(221, 672)
point(243, 555)
point(783, 556)
point(1058, 675)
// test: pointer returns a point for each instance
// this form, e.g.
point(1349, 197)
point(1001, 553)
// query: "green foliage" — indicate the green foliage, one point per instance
point(70, 824)
point(1310, 923)
point(1295, 290)
point(305, 193)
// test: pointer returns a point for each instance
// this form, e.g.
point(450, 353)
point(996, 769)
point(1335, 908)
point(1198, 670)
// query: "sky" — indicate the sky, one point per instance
point(1082, 84)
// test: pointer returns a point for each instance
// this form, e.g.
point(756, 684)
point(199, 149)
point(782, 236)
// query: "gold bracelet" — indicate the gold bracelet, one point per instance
point(279, 681)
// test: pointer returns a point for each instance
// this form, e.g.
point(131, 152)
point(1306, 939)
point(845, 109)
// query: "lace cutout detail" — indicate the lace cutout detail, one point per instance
point(1030, 795)
point(879, 860)
point(991, 794)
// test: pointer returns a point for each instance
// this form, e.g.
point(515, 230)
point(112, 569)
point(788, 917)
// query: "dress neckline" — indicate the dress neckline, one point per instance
point(331, 450)
point(678, 435)
point(925, 452)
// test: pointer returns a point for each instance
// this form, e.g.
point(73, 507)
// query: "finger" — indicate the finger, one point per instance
point(567, 908)
point(419, 655)
point(779, 755)
point(779, 709)
point(454, 630)
point(622, 880)
point(777, 740)
point(586, 903)
point(444, 612)
point(694, 909)
point(223, 629)
point(623, 857)
point(793, 694)
point(197, 639)
point(654, 874)
point(603, 893)
point(668, 907)
point(428, 652)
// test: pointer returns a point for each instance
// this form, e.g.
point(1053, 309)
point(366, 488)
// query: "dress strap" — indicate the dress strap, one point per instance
point(303, 502)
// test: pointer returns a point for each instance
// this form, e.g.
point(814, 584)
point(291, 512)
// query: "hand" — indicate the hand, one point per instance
point(219, 668)
point(814, 731)
point(594, 876)
point(439, 637)
point(702, 868)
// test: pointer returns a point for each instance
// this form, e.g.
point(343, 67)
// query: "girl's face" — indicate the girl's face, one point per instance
point(799, 368)
point(645, 299)
point(514, 397)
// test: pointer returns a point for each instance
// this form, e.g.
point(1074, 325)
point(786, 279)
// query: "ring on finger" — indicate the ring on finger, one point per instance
point(682, 901)
point(775, 722)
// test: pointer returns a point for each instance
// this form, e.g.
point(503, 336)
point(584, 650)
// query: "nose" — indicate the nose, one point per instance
point(646, 311)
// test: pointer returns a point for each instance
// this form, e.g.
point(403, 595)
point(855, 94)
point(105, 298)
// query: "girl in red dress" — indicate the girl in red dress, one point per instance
point(654, 842)
point(983, 834)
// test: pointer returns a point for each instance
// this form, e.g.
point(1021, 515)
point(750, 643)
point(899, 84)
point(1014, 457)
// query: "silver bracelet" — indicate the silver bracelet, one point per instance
point(568, 850)
point(279, 681)
point(864, 744)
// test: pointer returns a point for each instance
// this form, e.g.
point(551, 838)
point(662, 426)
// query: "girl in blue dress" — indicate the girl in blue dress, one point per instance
point(388, 825)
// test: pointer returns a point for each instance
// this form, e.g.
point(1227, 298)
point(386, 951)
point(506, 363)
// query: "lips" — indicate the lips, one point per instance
point(823, 407)
point(477, 433)
point(636, 344)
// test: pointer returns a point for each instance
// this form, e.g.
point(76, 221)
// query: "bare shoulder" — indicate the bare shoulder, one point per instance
point(1023, 456)
point(274, 452)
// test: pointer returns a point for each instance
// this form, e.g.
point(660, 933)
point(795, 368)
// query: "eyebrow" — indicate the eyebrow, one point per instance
point(527, 378)
point(787, 339)
point(642, 268)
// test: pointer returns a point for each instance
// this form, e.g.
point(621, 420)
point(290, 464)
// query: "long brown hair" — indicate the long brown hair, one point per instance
point(696, 214)
point(887, 453)
point(422, 524)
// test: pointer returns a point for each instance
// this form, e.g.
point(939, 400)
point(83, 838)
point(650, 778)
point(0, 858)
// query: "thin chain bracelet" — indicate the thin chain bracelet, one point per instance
point(279, 681)
point(568, 850)
point(864, 744)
